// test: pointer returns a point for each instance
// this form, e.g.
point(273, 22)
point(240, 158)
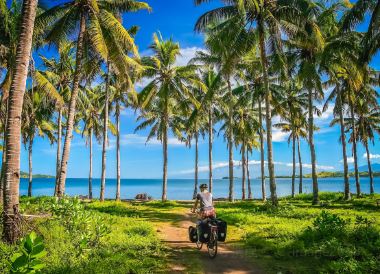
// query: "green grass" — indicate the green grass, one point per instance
point(295, 237)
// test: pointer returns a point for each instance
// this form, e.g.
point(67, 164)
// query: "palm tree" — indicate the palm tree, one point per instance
point(227, 43)
point(122, 94)
point(209, 107)
point(99, 29)
point(363, 124)
point(13, 128)
point(290, 108)
point(92, 127)
point(319, 23)
point(56, 80)
point(368, 124)
point(245, 127)
point(356, 15)
point(37, 112)
point(159, 99)
point(265, 17)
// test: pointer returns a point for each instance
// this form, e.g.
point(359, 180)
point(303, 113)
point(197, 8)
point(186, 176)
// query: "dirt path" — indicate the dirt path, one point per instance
point(228, 260)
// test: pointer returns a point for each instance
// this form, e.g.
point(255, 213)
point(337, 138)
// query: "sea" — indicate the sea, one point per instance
point(182, 189)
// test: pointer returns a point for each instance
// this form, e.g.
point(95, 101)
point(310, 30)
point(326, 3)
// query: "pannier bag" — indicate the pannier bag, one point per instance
point(205, 231)
point(192, 234)
point(222, 229)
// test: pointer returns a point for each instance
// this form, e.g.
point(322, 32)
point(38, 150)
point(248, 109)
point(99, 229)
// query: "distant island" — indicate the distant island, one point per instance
point(36, 176)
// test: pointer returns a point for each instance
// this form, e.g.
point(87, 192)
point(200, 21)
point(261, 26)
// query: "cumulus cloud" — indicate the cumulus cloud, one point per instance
point(371, 156)
point(279, 136)
point(350, 160)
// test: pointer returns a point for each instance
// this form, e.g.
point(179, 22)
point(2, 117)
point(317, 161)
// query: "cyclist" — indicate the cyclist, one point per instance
point(207, 209)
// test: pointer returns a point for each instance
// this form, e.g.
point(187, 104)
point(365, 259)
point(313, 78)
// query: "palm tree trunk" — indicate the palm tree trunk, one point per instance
point(372, 190)
point(210, 140)
point(196, 167)
point(300, 165)
point(58, 158)
point(268, 97)
point(105, 137)
point(2, 175)
point(30, 158)
point(312, 149)
point(262, 164)
point(230, 146)
point(354, 149)
point(165, 166)
point(347, 194)
point(249, 179)
point(13, 132)
point(90, 172)
point(243, 165)
point(165, 151)
point(294, 164)
point(117, 150)
point(72, 108)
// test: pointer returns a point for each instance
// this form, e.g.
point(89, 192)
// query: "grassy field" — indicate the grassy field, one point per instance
point(110, 237)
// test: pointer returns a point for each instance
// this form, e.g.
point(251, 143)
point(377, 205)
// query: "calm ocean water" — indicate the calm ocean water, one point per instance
point(182, 189)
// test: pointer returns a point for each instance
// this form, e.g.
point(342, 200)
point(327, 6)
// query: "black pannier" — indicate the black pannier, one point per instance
point(205, 231)
point(222, 229)
point(192, 234)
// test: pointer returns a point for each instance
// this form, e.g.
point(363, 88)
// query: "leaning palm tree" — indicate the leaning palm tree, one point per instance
point(159, 99)
point(56, 79)
point(97, 27)
point(13, 127)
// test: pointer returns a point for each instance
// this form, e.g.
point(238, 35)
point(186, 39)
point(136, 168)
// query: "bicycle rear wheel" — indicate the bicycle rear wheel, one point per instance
point(212, 245)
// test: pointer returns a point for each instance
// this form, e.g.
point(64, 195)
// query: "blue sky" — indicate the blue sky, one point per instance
point(176, 19)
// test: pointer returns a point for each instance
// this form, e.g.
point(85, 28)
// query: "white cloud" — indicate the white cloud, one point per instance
point(371, 156)
point(279, 136)
point(218, 165)
point(135, 139)
point(350, 160)
point(186, 54)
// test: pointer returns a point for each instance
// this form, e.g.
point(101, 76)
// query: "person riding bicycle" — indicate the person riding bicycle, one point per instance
point(204, 197)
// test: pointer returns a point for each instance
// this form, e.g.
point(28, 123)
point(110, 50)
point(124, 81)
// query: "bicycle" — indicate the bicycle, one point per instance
point(212, 239)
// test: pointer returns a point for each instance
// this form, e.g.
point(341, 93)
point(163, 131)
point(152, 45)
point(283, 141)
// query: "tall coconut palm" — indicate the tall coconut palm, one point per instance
point(96, 25)
point(266, 17)
point(290, 108)
point(13, 128)
point(318, 25)
point(37, 113)
point(245, 126)
point(227, 44)
point(57, 79)
point(368, 123)
point(92, 127)
point(159, 98)
point(356, 15)
point(209, 107)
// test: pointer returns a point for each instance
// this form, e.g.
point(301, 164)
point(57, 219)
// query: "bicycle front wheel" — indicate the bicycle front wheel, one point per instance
point(212, 245)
